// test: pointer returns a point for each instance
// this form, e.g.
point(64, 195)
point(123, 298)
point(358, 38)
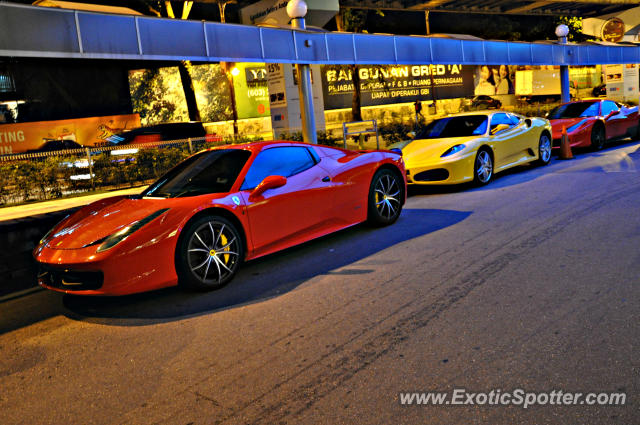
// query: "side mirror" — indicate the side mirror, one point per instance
point(411, 134)
point(498, 128)
point(269, 182)
point(612, 114)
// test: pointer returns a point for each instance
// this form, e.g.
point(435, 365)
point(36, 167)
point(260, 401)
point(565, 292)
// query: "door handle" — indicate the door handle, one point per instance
point(326, 179)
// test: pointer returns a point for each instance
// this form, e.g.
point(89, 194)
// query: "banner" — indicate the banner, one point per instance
point(252, 93)
point(381, 85)
point(93, 131)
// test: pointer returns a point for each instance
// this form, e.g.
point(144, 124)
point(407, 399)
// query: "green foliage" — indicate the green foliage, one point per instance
point(395, 131)
point(212, 92)
point(325, 138)
point(352, 20)
point(575, 29)
point(157, 95)
point(50, 178)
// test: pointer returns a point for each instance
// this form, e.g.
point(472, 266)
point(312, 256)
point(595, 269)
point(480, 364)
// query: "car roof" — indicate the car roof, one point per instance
point(258, 146)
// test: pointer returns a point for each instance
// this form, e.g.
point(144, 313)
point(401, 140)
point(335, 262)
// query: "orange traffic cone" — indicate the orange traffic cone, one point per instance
point(565, 147)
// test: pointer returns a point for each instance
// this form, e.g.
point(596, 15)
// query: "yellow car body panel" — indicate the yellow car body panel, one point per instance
point(509, 148)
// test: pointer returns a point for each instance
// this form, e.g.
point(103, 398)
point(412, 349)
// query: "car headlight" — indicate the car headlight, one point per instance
point(110, 241)
point(575, 126)
point(45, 239)
point(452, 150)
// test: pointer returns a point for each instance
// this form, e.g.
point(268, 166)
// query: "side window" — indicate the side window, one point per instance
point(514, 119)
point(285, 161)
point(498, 119)
point(591, 111)
point(608, 106)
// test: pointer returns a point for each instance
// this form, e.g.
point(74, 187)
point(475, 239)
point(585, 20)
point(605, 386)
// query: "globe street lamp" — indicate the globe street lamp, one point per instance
point(297, 9)
point(561, 32)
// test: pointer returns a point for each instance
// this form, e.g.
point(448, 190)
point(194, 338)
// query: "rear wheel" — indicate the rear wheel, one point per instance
point(385, 198)
point(483, 168)
point(598, 137)
point(209, 253)
point(544, 149)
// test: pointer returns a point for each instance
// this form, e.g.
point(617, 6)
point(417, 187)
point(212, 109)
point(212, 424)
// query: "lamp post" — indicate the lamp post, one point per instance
point(297, 9)
point(561, 32)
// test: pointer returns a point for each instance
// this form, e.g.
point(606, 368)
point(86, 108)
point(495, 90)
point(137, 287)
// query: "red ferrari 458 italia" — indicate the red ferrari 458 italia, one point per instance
point(216, 209)
point(591, 123)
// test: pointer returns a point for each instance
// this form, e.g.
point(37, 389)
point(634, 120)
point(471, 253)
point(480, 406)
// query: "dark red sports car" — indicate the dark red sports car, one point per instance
point(219, 207)
point(591, 123)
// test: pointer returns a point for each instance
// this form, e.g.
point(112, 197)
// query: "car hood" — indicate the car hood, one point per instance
point(426, 149)
point(92, 224)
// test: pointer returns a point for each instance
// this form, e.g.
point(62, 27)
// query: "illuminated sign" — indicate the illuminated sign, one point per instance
point(256, 75)
point(94, 131)
point(613, 30)
point(381, 85)
point(252, 93)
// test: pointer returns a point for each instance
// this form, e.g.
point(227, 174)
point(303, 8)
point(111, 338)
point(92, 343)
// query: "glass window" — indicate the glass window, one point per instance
point(608, 106)
point(500, 118)
point(575, 110)
point(461, 126)
point(285, 161)
point(514, 119)
point(207, 172)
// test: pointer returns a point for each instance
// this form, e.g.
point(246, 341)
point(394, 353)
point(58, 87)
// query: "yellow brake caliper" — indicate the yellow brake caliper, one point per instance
point(223, 239)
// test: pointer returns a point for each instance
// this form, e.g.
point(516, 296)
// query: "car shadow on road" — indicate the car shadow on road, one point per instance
point(257, 280)
point(510, 177)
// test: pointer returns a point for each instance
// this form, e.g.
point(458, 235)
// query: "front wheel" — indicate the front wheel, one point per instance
point(544, 150)
point(385, 198)
point(598, 137)
point(483, 168)
point(209, 253)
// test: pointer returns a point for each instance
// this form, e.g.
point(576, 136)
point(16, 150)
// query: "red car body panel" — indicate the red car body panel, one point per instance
point(306, 207)
point(617, 126)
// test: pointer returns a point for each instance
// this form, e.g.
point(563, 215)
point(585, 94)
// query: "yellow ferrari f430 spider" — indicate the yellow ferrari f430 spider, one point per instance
point(474, 146)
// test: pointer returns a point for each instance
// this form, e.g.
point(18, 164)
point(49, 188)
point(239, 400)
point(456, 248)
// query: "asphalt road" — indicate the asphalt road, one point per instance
point(532, 282)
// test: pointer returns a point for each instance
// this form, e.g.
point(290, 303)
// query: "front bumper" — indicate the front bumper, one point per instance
point(129, 268)
point(69, 280)
point(442, 172)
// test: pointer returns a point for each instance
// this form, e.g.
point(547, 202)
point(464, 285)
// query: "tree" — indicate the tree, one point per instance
point(354, 20)
point(184, 67)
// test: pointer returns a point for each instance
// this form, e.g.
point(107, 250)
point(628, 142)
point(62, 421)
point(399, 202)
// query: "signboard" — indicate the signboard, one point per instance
point(381, 85)
point(21, 137)
point(276, 85)
point(613, 30)
point(631, 82)
point(252, 93)
point(613, 76)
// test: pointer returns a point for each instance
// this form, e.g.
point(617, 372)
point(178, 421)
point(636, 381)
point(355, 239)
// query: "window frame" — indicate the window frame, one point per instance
point(315, 159)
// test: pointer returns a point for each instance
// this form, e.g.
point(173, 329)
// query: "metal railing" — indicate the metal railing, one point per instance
point(38, 176)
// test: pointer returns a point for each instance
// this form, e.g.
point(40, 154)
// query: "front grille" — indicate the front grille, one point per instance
point(435, 175)
point(70, 280)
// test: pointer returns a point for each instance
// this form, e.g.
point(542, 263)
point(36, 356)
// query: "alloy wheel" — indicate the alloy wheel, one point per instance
point(213, 252)
point(545, 148)
point(484, 167)
point(387, 196)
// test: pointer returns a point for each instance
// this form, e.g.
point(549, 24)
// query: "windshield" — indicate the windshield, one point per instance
point(461, 126)
point(574, 110)
point(206, 172)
